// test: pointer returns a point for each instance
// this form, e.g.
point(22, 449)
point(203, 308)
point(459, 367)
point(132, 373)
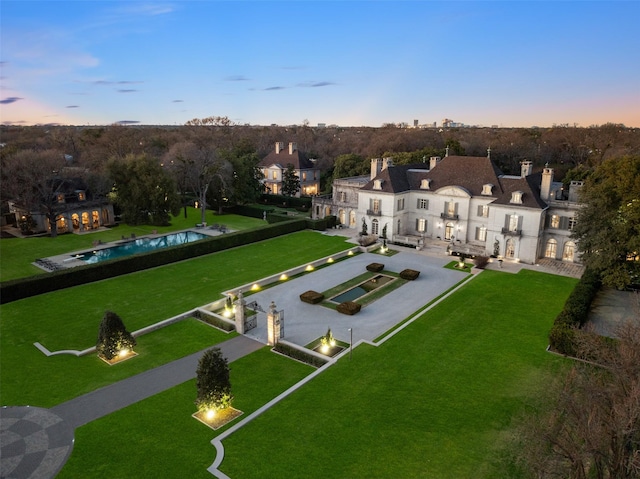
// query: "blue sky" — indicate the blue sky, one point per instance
point(362, 63)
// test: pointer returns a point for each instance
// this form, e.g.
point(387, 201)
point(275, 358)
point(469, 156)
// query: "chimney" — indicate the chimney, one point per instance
point(545, 185)
point(292, 147)
point(279, 147)
point(387, 163)
point(433, 161)
point(574, 191)
point(526, 167)
point(376, 167)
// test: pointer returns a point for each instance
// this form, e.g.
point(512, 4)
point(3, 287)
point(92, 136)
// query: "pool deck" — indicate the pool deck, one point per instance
point(69, 260)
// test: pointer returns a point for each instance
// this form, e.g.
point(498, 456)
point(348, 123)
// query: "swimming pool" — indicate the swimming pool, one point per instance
point(141, 245)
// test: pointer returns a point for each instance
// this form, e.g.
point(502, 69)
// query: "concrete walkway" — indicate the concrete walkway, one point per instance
point(36, 442)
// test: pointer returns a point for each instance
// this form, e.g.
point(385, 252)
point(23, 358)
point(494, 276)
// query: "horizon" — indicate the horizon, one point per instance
point(337, 63)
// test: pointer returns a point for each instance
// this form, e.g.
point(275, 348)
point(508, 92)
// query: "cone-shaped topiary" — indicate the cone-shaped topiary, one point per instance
point(113, 337)
point(214, 387)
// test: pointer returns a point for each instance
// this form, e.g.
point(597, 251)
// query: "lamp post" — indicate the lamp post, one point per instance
point(350, 343)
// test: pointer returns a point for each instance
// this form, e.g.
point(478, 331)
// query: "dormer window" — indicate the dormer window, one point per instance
point(377, 184)
point(81, 196)
point(425, 184)
point(60, 198)
point(487, 189)
point(516, 197)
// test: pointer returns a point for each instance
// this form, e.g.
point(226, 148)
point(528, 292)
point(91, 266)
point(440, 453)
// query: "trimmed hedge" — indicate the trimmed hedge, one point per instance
point(214, 321)
point(409, 274)
point(311, 297)
point(349, 307)
point(286, 201)
point(575, 313)
point(300, 355)
point(375, 267)
point(44, 283)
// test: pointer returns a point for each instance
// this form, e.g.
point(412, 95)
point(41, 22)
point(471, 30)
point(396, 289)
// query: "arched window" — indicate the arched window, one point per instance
point(75, 219)
point(352, 219)
point(550, 250)
point(374, 227)
point(343, 217)
point(327, 211)
point(569, 250)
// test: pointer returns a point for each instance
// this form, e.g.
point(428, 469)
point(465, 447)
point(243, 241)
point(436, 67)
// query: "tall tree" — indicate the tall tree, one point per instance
point(246, 184)
point(33, 179)
point(350, 165)
point(200, 167)
point(143, 190)
point(290, 181)
point(587, 424)
point(608, 227)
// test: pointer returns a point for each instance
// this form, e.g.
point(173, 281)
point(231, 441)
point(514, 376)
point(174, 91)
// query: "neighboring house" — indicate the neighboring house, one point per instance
point(276, 162)
point(75, 208)
point(464, 201)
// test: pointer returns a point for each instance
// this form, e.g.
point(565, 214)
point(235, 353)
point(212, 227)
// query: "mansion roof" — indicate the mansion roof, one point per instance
point(471, 173)
point(299, 160)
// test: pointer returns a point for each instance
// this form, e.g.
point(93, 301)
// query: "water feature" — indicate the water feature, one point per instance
point(360, 290)
point(141, 245)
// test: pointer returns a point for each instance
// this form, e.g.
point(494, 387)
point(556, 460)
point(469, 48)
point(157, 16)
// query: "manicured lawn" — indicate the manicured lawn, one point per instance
point(70, 318)
point(432, 402)
point(17, 254)
point(159, 438)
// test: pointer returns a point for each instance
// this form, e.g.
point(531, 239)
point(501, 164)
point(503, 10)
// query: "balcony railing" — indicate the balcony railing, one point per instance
point(447, 216)
point(508, 232)
point(374, 212)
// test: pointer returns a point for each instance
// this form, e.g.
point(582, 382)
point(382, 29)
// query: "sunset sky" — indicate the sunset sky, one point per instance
point(362, 63)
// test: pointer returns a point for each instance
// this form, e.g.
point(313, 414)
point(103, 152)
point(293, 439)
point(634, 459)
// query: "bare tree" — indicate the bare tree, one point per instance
point(34, 179)
point(197, 167)
point(590, 425)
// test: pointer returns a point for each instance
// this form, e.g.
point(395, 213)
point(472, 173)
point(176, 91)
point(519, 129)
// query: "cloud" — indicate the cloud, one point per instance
point(130, 90)
point(177, 101)
point(274, 88)
point(236, 78)
point(147, 9)
point(11, 99)
point(121, 82)
point(127, 122)
point(315, 84)
point(72, 106)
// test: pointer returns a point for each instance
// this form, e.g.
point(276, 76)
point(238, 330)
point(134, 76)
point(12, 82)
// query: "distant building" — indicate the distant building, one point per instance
point(275, 163)
point(75, 208)
point(465, 202)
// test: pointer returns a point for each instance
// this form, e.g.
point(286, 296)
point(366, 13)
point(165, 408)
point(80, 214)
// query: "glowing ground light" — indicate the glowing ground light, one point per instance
point(255, 287)
point(210, 414)
point(309, 268)
point(123, 352)
point(350, 253)
point(283, 277)
point(330, 260)
point(325, 348)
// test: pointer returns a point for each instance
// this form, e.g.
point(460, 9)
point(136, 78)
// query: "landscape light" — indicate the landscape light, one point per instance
point(283, 277)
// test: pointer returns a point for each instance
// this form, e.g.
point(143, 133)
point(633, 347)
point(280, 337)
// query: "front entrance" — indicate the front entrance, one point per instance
point(448, 231)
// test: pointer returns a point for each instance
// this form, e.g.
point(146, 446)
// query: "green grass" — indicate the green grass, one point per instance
point(70, 318)
point(432, 402)
point(17, 254)
point(454, 266)
point(158, 437)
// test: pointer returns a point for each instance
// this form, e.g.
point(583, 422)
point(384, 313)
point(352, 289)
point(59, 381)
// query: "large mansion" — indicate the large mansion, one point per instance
point(275, 163)
point(464, 201)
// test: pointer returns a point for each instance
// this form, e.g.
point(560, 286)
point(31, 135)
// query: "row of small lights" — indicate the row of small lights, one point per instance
point(283, 277)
